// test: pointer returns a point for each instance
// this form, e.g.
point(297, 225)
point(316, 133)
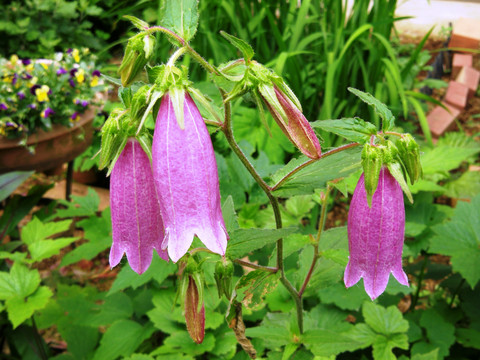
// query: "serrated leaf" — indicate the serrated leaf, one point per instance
point(254, 286)
point(20, 282)
point(240, 44)
point(460, 239)
point(20, 309)
point(36, 230)
point(244, 241)
point(440, 332)
point(352, 129)
point(158, 270)
point(180, 16)
point(317, 174)
point(384, 321)
point(80, 205)
point(380, 109)
point(138, 23)
point(10, 181)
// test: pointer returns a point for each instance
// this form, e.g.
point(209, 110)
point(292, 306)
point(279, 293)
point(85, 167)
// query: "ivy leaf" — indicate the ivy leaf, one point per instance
point(352, 129)
point(380, 108)
point(317, 174)
point(460, 239)
point(241, 45)
point(244, 241)
point(180, 16)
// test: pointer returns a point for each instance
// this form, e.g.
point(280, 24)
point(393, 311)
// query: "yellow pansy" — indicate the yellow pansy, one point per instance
point(80, 76)
point(45, 66)
point(94, 81)
point(29, 67)
point(42, 93)
point(76, 55)
point(14, 59)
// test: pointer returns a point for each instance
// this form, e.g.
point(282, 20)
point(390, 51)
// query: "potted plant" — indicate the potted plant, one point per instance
point(46, 109)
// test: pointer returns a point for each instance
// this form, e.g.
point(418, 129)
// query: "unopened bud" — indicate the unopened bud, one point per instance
point(138, 51)
point(409, 153)
point(223, 277)
point(194, 311)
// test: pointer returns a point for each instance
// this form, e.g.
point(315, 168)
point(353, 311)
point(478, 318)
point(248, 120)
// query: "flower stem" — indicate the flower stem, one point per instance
point(255, 266)
point(153, 29)
point(209, 67)
point(228, 131)
point(38, 340)
point(176, 55)
point(419, 285)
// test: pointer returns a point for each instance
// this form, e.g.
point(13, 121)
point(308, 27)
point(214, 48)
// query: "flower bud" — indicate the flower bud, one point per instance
point(223, 277)
point(138, 51)
point(409, 154)
point(194, 311)
point(291, 120)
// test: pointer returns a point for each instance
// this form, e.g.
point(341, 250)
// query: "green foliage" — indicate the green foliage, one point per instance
point(180, 16)
point(10, 181)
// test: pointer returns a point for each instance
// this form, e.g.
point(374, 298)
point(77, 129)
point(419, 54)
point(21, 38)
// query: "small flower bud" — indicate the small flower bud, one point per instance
point(409, 154)
point(223, 277)
point(138, 51)
point(194, 311)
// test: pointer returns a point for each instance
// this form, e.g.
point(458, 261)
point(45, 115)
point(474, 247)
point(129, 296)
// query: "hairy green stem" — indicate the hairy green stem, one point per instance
point(228, 131)
point(153, 29)
point(255, 266)
point(209, 67)
point(176, 55)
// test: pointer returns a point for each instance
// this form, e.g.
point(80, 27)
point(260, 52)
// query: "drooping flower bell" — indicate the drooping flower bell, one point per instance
point(186, 177)
point(375, 235)
point(137, 226)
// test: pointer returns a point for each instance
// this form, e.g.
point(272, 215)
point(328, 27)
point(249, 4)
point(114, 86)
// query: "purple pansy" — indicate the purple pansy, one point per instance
point(61, 71)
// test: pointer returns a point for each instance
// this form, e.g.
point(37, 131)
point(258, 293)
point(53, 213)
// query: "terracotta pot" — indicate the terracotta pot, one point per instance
point(52, 148)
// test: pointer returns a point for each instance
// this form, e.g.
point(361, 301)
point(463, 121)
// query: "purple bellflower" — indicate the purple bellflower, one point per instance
point(186, 179)
point(375, 236)
point(136, 220)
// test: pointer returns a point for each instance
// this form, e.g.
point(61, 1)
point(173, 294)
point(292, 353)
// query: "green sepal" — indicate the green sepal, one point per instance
point(125, 95)
point(154, 96)
point(240, 44)
point(218, 276)
point(206, 103)
point(198, 278)
point(263, 118)
point(114, 138)
point(177, 96)
point(372, 161)
point(396, 171)
point(154, 72)
point(145, 141)
point(223, 277)
point(268, 93)
point(138, 23)
point(409, 154)
point(139, 103)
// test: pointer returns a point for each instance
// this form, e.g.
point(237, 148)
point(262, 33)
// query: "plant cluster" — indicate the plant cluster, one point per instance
point(38, 93)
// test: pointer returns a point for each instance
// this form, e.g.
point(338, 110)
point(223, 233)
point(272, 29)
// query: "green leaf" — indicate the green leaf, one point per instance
point(466, 186)
point(80, 205)
point(20, 282)
point(181, 342)
point(122, 339)
point(139, 24)
point(20, 309)
point(440, 333)
point(318, 173)
point(352, 129)
point(116, 306)
point(274, 330)
point(34, 234)
point(432, 355)
point(384, 321)
point(443, 158)
point(244, 241)
point(469, 338)
point(10, 181)
point(252, 287)
point(241, 45)
point(180, 16)
point(345, 298)
point(81, 339)
point(165, 315)
point(97, 230)
point(381, 109)
point(229, 215)
point(460, 239)
point(158, 270)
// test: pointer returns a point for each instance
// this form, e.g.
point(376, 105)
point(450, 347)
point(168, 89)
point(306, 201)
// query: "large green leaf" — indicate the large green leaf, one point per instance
point(381, 109)
point(20, 282)
point(244, 241)
point(460, 239)
point(20, 309)
point(316, 175)
point(180, 16)
point(352, 129)
point(254, 286)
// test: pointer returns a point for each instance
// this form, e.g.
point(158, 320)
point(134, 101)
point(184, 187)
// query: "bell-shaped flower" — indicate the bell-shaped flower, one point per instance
point(375, 235)
point(137, 226)
point(186, 177)
point(291, 120)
